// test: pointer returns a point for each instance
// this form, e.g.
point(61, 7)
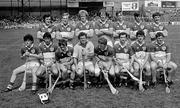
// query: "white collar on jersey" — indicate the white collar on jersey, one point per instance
point(46, 26)
point(140, 44)
point(84, 23)
point(160, 44)
point(29, 47)
point(138, 23)
point(120, 23)
point(47, 46)
point(156, 24)
point(65, 25)
point(125, 44)
point(103, 22)
point(83, 45)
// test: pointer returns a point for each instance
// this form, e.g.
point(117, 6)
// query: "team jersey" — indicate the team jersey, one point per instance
point(84, 26)
point(155, 28)
point(140, 50)
point(43, 28)
point(78, 49)
point(108, 51)
point(65, 31)
point(106, 25)
point(122, 52)
point(121, 26)
point(134, 27)
point(48, 52)
point(64, 56)
point(33, 50)
point(47, 48)
point(160, 50)
point(64, 28)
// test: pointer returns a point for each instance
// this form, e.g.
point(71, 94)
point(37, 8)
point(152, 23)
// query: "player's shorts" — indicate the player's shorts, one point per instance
point(88, 66)
point(29, 66)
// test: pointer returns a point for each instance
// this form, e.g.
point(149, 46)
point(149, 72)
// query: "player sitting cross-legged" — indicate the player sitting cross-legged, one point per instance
point(161, 58)
point(141, 53)
point(65, 61)
point(29, 52)
point(123, 61)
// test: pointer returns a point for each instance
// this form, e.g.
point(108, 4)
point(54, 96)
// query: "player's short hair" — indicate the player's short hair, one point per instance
point(81, 12)
point(47, 35)
point(45, 16)
point(65, 14)
point(140, 32)
point(62, 42)
point(102, 41)
point(123, 33)
point(136, 14)
point(156, 14)
point(103, 11)
point(82, 34)
point(158, 34)
point(28, 37)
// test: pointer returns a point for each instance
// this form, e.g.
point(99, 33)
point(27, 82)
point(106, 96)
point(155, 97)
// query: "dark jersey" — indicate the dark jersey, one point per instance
point(63, 56)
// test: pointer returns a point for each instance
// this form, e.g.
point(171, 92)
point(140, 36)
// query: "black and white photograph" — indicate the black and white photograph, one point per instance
point(89, 53)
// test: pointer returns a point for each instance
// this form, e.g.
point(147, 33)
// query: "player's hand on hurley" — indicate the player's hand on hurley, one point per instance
point(26, 54)
point(105, 74)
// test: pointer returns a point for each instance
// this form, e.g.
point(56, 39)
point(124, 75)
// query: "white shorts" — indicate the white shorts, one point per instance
point(88, 66)
point(29, 66)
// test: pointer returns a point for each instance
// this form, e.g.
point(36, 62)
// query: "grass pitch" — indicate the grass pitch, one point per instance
point(10, 43)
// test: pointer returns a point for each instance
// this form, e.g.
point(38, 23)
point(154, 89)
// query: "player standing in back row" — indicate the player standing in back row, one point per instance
point(84, 25)
point(65, 30)
point(157, 26)
point(104, 28)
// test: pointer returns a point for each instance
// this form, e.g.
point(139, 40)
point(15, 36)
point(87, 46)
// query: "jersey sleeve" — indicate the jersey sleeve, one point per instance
point(57, 54)
point(96, 51)
point(152, 48)
point(22, 51)
point(96, 25)
point(110, 52)
point(77, 26)
point(70, 51)
point(91, 25)
point(40, 27)
point(37, 50)
point(167, 49)
point(110, 24)
point(132, 50)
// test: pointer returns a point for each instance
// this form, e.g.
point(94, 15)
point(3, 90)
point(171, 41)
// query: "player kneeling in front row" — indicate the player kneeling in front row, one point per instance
point(104, 60)
point(123, 59)
point(29, 52)
point(47, 52)
point(161, 58)
point(65, 61)
point(141, 54)
point(83, 55)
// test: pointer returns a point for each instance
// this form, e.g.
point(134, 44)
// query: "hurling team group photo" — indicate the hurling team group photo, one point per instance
point(103, 53)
